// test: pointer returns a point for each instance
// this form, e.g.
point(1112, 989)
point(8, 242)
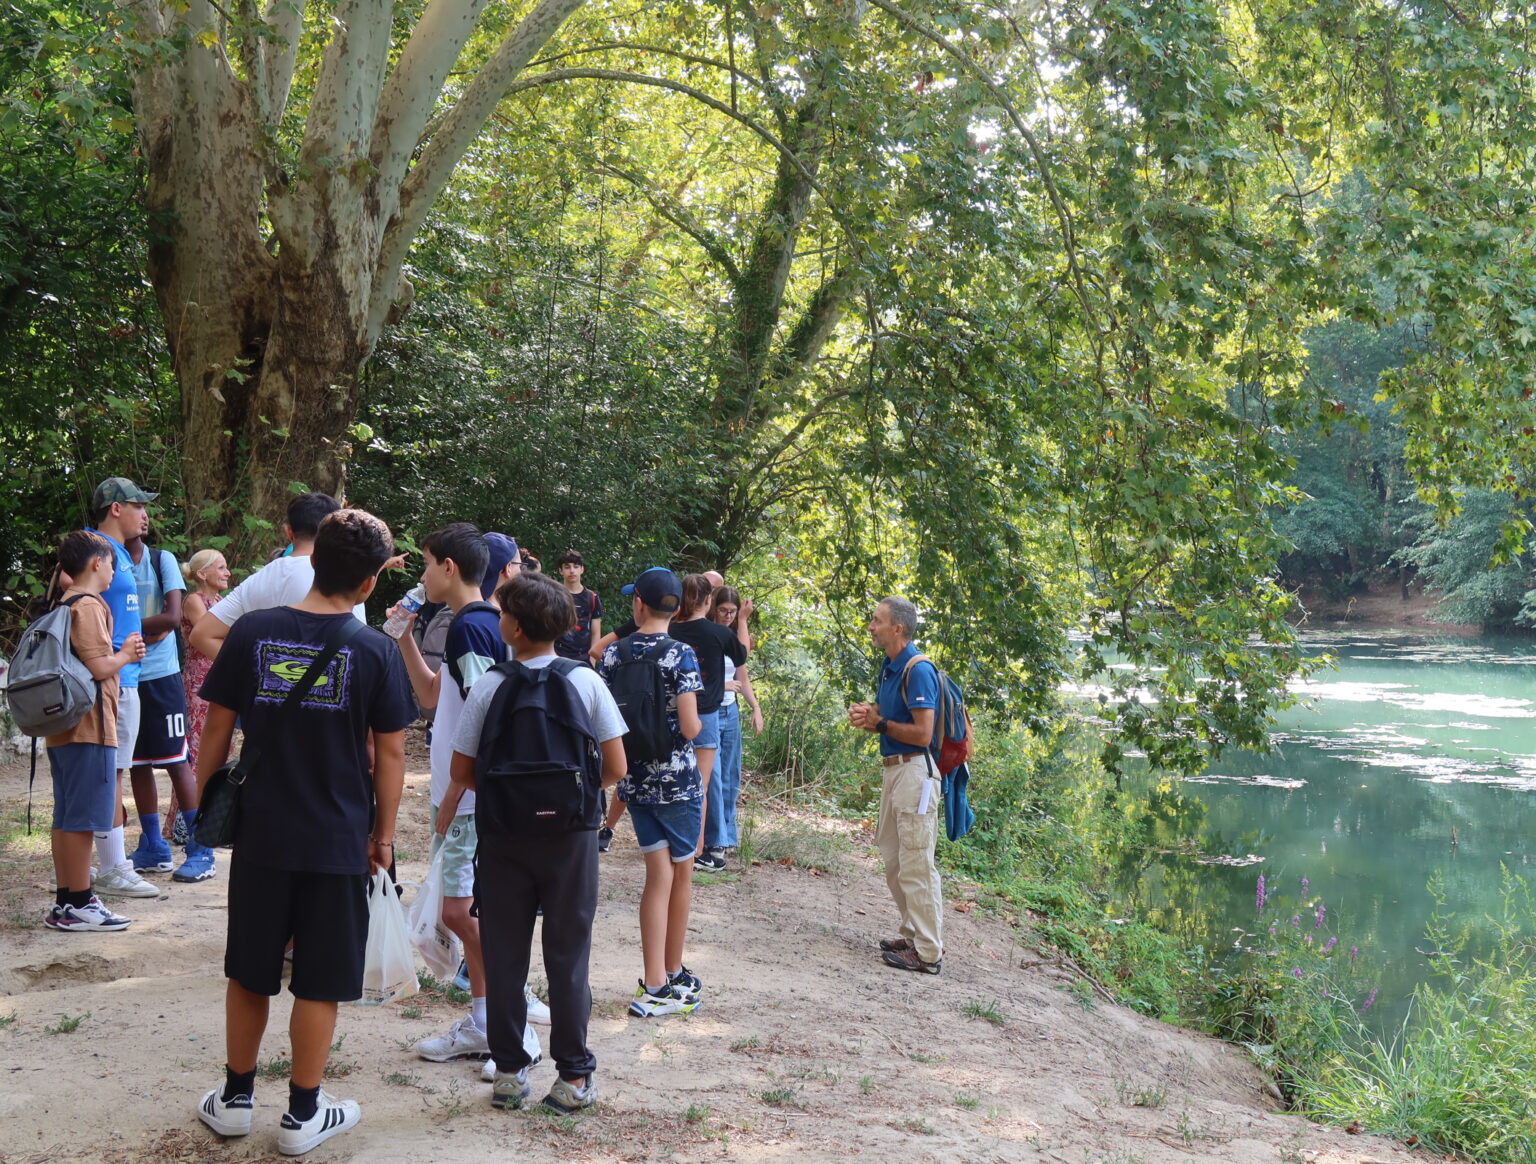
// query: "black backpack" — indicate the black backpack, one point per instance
point(538, 771)
point(640, 689)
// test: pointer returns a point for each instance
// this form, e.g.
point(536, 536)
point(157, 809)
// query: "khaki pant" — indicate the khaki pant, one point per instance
point(911, 798)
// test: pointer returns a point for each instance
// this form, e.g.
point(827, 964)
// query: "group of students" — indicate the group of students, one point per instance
point(319, 813)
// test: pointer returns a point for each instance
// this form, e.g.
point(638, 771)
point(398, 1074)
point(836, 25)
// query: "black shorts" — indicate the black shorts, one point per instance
point(326, 915)
point(162, 735)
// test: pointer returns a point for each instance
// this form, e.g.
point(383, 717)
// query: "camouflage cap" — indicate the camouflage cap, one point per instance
point(115, 489)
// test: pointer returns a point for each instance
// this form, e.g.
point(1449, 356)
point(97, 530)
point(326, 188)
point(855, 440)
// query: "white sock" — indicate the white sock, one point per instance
point(477, 1011)
point(109, 849)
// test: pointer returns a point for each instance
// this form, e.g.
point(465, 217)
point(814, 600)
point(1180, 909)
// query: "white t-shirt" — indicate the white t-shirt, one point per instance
point(730, 673)
point(281, 582)
point(607, 723)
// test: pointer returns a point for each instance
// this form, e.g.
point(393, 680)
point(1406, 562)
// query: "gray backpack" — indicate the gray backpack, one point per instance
point(49, 689)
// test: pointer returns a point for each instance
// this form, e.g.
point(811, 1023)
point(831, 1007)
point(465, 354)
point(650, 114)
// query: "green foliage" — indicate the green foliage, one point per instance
point(1459, 1075)
point(85, 392)
point(1454, 558)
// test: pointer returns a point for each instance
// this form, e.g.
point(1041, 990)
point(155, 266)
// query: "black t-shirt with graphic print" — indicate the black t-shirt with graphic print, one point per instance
point(307, 807)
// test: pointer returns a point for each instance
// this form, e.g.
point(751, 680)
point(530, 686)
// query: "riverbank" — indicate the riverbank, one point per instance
point(807, 1047)
point(1381, 607)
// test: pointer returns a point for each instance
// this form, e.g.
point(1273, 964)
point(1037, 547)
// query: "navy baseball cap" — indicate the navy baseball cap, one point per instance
point(658, 588)
point(503, 550)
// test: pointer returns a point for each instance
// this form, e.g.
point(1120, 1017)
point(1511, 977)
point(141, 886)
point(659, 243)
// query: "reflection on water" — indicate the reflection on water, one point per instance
point(1415, 756)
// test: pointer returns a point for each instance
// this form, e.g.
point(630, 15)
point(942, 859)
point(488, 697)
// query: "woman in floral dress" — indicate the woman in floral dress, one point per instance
point(207, 576)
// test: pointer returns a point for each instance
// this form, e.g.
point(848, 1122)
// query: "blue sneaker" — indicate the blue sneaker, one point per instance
point(152, 856)
point(198, 866)
point(461, 979)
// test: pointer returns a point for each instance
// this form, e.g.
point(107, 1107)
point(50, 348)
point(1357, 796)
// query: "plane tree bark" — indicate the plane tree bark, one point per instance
point(279, 234)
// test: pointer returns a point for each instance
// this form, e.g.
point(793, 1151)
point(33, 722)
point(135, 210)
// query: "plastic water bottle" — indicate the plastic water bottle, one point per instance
point(395, 624)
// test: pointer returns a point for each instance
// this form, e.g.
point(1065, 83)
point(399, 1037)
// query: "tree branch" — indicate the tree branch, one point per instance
point(669, 209)
point(692, 58)
point(414, 86)
point(351, 76)
point(287, 20)
point(1063, 214)
point(458, 130)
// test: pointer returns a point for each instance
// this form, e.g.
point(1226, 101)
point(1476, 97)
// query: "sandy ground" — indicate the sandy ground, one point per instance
point(805, 1049)
point(1382, 606)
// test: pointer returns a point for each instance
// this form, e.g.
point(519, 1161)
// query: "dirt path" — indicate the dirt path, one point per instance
point(806, 1048)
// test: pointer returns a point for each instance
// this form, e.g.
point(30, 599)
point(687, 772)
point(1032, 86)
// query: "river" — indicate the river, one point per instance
point(1415, 757)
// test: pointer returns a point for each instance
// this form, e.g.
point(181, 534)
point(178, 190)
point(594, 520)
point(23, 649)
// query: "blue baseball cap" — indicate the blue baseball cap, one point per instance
point(658, 588)
point(503, 550)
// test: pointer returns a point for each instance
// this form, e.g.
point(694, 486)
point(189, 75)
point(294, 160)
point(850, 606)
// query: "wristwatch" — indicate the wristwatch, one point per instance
point(880, 725)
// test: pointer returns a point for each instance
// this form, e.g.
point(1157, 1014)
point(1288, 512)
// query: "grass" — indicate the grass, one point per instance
point(969, 1102)
point(919, 1126)
point(402, 1078)
point(411, 1012)
point(985, 1012)
point(66, 1023)
point(1135, 1096)
point(697, 1113)
point(802, 843)
point(750, 1043)
point(436, 990)
point(867, 1085)
point(782, 1097)
point(7, 1021)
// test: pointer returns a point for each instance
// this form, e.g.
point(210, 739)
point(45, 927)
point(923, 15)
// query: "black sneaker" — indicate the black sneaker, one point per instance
point(710, 861)
point(604, 840)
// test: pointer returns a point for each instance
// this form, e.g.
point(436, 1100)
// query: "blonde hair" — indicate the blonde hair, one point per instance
point(197, 563)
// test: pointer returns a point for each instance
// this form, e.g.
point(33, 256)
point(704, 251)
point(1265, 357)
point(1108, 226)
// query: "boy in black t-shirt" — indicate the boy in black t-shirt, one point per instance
point(577, 641)
point(302, 851)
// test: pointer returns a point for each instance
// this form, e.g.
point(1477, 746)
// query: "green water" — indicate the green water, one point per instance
point(1415, 757)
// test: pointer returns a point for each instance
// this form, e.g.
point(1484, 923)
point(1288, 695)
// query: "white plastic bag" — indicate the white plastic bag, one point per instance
point(389, 969)
point(531, 1043)
point(439, 947)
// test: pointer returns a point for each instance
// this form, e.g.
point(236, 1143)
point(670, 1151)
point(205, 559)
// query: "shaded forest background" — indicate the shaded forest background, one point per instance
point(1098, 328)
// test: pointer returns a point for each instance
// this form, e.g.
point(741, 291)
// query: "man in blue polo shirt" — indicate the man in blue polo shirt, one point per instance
point(120, 510)
point(911, 793)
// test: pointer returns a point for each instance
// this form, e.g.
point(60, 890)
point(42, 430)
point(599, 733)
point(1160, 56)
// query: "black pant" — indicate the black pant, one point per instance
point(513, 879)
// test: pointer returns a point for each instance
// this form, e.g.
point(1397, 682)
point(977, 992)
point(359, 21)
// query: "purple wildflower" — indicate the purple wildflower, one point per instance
point(1297, 972)
point(1354, 952)
point(1369, 1000)
point(1331, 943)
point(1304, 884)
point(1258, 897)
point(1322, 912)
point(1295, 921)
point(1309, 939)
point(1271, 927)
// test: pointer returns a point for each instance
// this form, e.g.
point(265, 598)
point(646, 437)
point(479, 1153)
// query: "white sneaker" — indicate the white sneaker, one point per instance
point(228, 1119)
point(122, 881)
point(537, 1011)
point(331, 1117)
point(464, 1040)
point(90, 916)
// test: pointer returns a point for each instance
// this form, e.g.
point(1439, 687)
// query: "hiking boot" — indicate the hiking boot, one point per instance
point(228, 1119)
point(92, 916)
point(688, 982)
point(710, 861)
point(537, 1011)
point(908, 960)
point(464, 1040)
point(567, 1097)
point(198, 866)
point(152, 856)
point(663, 1001)
point(896, 943)
point(604, 840)
point(122, 881)
point(332, 1117)
point(510, 1089)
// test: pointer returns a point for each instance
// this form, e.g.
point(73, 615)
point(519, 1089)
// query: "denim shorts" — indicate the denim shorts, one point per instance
point(709, 730)
point(84, 787)
point(675, 826)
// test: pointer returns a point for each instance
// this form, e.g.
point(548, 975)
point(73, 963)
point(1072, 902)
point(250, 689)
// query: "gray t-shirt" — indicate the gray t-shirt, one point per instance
point(607, 723)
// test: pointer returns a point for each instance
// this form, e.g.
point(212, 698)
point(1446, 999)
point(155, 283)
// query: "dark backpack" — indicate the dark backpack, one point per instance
point(639, 687)
point(537, 771)
point(49, 690)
